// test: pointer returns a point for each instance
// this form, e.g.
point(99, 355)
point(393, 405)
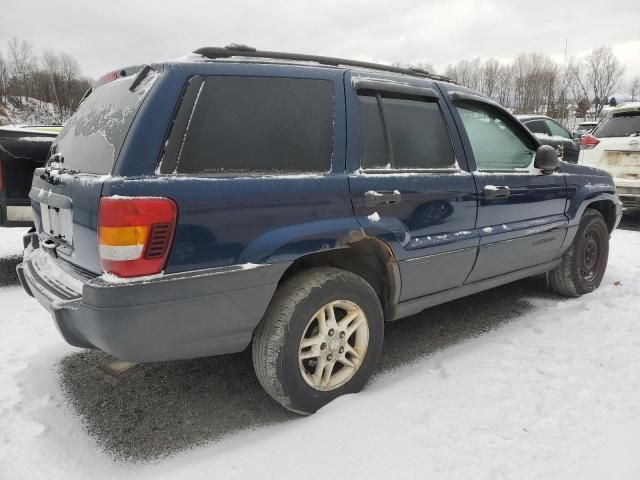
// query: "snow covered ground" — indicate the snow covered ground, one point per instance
point(29, 112)
point(552, 394)
point(11, 241)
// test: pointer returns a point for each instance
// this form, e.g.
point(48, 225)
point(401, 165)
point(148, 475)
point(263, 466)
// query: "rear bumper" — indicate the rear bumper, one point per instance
point(629, 191)
point(168, 317)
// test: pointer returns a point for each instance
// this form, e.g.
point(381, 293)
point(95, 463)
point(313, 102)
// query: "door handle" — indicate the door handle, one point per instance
point(374, 198)
point(491, 191)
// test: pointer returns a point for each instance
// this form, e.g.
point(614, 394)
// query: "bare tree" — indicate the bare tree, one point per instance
point(4, 79)
point(534, 81)
point(54, 82)
point(22, 63)
point(563, 92)
point(634, 89)
point(53, 67)
point(70, 69)
point(583, 107)
point(490, 77)
point(504, 86)
point(597, 76)
point(427, 67)
point(528, 85)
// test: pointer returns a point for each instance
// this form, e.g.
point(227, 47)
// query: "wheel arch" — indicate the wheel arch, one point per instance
point(608, 210)
point(368, 257)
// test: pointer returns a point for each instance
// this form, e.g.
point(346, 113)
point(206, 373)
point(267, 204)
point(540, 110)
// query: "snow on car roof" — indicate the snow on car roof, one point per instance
point(627, 107)
point(531, 116)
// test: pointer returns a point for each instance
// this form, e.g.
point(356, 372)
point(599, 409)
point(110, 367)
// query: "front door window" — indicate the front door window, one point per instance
point(496, 146)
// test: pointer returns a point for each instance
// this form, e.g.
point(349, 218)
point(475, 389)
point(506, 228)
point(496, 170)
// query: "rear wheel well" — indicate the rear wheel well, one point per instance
point(370, 259)
point(608, 211)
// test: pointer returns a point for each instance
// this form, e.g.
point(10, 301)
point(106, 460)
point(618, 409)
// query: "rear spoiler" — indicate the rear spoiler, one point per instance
point(141, 70)
point(31, 142)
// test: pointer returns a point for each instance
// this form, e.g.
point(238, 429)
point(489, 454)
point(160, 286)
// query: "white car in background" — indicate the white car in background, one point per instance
point(614, 146)
point(585, 127)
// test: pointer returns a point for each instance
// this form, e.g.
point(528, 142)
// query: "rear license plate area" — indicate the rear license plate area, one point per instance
point(57, 222)
point(618, 158)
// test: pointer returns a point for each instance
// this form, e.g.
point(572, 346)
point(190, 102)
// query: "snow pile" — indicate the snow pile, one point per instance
point(554, 394)
point(30, 112)
point(115, 279)
point(374, 217)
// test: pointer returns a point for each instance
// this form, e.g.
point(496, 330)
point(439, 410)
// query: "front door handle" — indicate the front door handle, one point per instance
point(491, 192)
point(374, 198)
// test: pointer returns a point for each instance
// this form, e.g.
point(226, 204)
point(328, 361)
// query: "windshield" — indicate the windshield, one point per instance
point(92, 138)
point(619, 125)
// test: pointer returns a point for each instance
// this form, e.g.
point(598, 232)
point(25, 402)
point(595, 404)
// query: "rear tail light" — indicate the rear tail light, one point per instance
point(587, 142)
point(135, 234)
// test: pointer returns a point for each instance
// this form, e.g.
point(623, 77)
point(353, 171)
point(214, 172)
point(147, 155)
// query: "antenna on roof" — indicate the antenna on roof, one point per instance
point(240, 50)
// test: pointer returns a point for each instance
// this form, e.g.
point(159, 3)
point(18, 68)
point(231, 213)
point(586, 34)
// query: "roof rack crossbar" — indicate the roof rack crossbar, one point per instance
point(234, 50)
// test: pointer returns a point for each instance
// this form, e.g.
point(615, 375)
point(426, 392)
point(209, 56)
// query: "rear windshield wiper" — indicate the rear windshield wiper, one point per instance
point(140, 77)
point(55, 162)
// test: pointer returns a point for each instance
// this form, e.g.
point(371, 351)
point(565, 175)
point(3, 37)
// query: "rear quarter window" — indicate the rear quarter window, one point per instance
point(259, 125)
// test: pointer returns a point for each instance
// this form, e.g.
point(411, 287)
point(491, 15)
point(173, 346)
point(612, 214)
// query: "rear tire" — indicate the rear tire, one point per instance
point(584, 263)
point(320, 338)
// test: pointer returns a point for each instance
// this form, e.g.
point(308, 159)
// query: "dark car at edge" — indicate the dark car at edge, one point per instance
point(22, 150)
point(550, 132)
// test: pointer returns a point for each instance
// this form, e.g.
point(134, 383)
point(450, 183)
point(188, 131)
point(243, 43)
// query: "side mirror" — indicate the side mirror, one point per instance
point(576, 136)
point(546, 159)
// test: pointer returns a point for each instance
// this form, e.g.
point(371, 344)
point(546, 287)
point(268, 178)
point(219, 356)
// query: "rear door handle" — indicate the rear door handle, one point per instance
point(491, 191)
point(374, 198)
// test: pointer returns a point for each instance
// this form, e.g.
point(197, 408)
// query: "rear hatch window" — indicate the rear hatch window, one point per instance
point(92, 138)
point(619, 125)
point(64, 197)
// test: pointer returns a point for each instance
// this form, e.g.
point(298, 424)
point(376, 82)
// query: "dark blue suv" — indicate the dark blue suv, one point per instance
point(295, 203)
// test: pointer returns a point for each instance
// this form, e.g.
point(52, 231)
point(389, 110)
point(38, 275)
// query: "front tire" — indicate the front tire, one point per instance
point(584, 263)
point(320, 338)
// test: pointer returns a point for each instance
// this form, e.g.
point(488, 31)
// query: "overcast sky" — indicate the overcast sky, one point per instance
point(104, 35)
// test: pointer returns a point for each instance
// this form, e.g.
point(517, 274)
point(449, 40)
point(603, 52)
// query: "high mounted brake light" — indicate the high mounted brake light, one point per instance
point(587, 142)
point(122, 72)
point(134, 234)
point(110, 76)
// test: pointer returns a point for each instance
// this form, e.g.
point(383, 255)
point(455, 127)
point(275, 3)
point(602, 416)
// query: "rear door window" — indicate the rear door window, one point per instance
point(405, 133)
point(259, 125)
point(538, 126)
point(91, 140)
point(373, 145)
point(619, 125)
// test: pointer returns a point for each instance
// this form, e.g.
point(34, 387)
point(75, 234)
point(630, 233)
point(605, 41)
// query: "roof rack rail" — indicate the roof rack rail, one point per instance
point(239, 50)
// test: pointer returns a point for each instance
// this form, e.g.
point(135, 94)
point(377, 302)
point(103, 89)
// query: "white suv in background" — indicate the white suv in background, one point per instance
point(614, 146)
